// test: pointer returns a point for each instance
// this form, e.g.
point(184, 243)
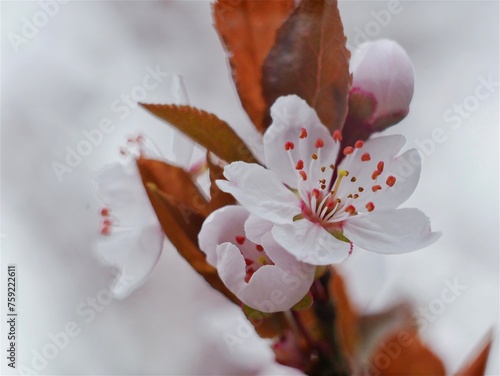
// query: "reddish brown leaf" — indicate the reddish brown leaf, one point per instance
point(176, 200)
point(404, 353)
point(310, 59)
point(204, 128)
point(248, 31)
point(477, 366)
point(218, 198)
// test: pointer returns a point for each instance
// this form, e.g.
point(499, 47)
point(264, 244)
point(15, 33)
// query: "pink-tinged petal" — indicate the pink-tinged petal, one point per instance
point(134, 254)
point(273, 290)
point(310, 243)
point(285, 260)
point(383, 69)
point(292, 117)
point(406, 169)
point(120, 187)
point(231, 267)
point(223, 225)
point(391, 231)
point(260, 191)
point(256, 228)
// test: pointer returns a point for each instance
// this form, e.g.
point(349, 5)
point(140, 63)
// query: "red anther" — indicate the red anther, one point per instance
point(359, 144)
point(366, 157)
point(391, 180)
point(104, 212)
point(348, 150)
point(319, 143)
point(107, 222)
point(380, 166)
point(376, 188)
point(370, 206)
point(303, 133)
point(289, 145)
point(337, 136)
point(249, 275)
point(105, 230)
point(375, 174)
point(299, 165)
point(248, 262)
point(315, 192)
point(303, 174)
point(240, 239)
point(350, 209)
point(259, 248)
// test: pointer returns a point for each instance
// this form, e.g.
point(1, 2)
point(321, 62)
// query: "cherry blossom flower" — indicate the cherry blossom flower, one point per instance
point(320, 209)
point(383, 78)
point(132, 238)
point(250, 262)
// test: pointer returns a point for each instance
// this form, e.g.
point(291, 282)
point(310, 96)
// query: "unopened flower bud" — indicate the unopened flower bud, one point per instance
point(382, 86)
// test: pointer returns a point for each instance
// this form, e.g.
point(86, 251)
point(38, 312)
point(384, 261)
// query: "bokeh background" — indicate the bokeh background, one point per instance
point(64, 78)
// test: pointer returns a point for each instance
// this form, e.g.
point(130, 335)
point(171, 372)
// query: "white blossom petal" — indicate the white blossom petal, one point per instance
point(231, 267)
point(134, 254)
point(309, 242)
point(223, 225)
point(260, 191)
point(391, 231)
point(256, 228)
point(290, 115)
point(120, 187)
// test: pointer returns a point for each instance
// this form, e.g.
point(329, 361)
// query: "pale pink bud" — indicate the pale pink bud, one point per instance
point(383, 82)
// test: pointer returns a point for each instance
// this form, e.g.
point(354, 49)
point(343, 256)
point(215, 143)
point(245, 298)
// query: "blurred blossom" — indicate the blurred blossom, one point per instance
point(132, 238)
point(383, 82)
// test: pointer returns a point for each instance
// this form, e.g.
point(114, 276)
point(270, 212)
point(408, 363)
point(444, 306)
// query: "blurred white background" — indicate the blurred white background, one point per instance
point(64, 78)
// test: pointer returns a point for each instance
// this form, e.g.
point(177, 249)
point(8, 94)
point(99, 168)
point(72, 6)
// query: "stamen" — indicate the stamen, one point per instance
point(299, 165)
point(337, 136)
point(262, 259)
point(289, 145)
point(259, 248)
point(376, 188)
point(303, 174)
point(356, 195)
point(323, 168)
point(370, 206)
point(353, 179)
point(314, 156)
point(340, 176)
point(319, 143)
point(350, 209)
point(240, 239)
point(248, 262)
point(380, 166)
point(348, 150)
point(104, 212)
point(303, 133)
point(366, 157)
point(391, 180)
point(332, 167)
point(359, 144)
point(361, 189)
point(107, 222)
point(376, 174)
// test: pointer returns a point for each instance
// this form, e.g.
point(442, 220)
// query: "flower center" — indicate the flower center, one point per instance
point(254, 255)
point(330, 201)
